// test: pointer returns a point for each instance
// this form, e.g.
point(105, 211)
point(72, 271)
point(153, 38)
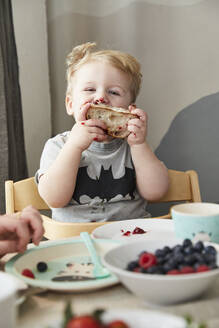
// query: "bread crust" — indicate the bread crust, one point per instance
point(116, 119)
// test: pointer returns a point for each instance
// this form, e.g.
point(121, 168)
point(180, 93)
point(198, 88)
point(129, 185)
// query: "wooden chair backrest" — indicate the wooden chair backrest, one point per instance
point(21, 194)
point(184, 187)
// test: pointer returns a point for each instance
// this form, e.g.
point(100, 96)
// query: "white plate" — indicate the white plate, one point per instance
point(68, 265)
point(155, 229)
point(137, 319)
point(145, 319)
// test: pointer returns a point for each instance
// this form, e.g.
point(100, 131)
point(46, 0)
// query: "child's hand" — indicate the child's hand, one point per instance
point(137, 127)
point(85, 131)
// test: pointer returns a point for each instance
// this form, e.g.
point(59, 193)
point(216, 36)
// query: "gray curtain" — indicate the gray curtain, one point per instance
point(12, 151)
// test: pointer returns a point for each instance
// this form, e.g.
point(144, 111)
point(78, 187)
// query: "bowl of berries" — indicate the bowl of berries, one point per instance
point(165, 273)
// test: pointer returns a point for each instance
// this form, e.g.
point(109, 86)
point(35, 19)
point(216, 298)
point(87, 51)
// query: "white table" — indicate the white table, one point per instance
point(39, 310)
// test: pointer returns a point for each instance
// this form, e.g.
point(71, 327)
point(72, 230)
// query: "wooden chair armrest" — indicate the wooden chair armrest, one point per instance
point(167, 216)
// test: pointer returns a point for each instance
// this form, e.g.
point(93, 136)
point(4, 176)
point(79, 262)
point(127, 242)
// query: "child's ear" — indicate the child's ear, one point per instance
point(68, 104)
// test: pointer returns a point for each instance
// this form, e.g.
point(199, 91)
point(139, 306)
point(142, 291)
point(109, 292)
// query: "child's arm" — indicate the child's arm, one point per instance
point(57, 184)
point(151, 174)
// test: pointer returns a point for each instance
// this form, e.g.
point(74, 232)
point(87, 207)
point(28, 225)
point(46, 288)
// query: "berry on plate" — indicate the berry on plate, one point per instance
point(28, 273)
point(42, 266)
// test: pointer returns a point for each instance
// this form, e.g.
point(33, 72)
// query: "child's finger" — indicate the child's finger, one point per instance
point(140, 113)
point(132, 106)
point(96, 123)
point(135, 122)
point(83, 111)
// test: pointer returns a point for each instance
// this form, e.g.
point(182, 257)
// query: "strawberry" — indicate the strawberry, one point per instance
point(84, 321)
point(117, 324)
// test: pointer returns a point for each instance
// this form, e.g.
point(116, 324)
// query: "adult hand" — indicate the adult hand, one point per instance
point(16, 233)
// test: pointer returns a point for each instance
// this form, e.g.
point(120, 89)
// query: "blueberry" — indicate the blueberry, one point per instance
point(42, 266)
point(168, 257)
point(160, 269)
point(177, 249)
point(166, 267)
point(143, 270)
point(152, 270)
point(199, 246)
point(199, 258)
point(169, 266)
point(160, 260)
point(210, 249)
point(132, 265)
point(189, 259)
point(189, 250)
point(186, 242)
point(173, 263)
point(160, 253)
point(213, 266)
point(209, 258)
point(179, 257)
point(167, 249)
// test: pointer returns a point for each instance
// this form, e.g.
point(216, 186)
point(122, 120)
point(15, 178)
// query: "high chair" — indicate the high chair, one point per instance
point(184, 187)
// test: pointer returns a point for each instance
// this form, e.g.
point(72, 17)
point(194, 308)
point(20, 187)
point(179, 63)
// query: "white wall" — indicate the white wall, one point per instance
point(177, 48)
point(31, 39)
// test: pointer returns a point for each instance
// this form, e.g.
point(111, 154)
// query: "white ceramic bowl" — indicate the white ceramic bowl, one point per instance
point(154, 288)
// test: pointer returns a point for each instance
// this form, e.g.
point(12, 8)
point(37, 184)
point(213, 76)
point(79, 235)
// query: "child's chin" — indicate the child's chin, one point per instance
point(108, 139)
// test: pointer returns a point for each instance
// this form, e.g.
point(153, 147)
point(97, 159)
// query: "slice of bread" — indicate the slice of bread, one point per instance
point(116, 119)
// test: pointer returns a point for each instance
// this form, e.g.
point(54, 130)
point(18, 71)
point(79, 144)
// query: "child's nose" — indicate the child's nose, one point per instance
point(101, 100)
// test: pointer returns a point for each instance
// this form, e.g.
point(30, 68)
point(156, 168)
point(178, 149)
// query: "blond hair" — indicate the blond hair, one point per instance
point(84, 53)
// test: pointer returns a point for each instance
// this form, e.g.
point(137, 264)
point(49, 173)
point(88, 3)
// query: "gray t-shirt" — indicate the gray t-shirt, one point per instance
point(105, 188)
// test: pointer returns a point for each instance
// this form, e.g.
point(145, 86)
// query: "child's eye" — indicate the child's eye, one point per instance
point(89, 89)
point(114, 92)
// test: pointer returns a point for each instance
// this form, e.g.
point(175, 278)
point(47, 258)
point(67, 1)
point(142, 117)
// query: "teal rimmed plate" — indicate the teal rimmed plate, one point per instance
point(69, 266)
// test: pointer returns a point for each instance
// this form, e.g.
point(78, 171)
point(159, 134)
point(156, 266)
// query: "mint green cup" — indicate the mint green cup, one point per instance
point(196, 221)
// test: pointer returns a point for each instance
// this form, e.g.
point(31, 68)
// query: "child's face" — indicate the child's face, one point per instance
point(101, 82)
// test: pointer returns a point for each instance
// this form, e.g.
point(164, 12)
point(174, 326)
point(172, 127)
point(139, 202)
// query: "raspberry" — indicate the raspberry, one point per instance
point(187, 269)
point(173, 272)
point(28, 273)
point(127, 233)
point(147, 260)
point(138, 230)
point(202, 268)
